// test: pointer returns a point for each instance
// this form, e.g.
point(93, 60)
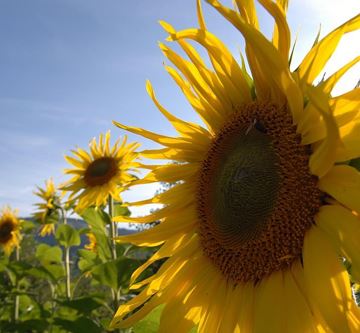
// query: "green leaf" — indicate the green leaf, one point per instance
point(19, 268)
point(87, 260)
point(125, 267)
point(84, 305)
point(119, 209)
point(41, 273)
point(150, 324)
point(27, 226)
point(67, 236)
point(106, 274)
point(47, 254)
point(103, 245)
point(355, 163)
point(52, 217)
point(96, 218)
point(115, 273)
point(81, 324)
point(50, 258)
point(37, 325)
point(4, 261)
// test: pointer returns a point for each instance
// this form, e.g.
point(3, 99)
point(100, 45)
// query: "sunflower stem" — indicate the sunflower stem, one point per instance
point(17, 299)
point(112, 228)
point(113, 234)
point(67, 263)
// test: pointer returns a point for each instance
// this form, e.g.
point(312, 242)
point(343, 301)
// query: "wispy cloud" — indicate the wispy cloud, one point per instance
point(48, 112)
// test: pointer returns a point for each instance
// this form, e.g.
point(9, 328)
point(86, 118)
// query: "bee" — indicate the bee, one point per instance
point(257, 125)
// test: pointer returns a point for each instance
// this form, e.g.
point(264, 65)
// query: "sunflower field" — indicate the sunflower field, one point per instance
point(259, 225)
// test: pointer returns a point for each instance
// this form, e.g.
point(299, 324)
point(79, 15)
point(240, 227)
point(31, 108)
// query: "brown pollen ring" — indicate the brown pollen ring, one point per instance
point(6, 229)
point(256, 197)
point(100, 171)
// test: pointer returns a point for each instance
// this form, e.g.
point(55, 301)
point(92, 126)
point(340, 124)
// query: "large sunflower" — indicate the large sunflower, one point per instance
point(9, 230)
point(264, 205)
point(101, 173)
point(47, 213)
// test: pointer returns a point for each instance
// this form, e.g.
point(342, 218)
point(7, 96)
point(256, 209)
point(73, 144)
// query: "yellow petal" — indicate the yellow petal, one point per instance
point(192, 74)
point(75, 162)
point(315, 60)
point(172, 245)
point(267, 317)
point(181, 143)
point(346, 106)
point(169, 173)
point(277, 70)
point(214, 313)
point(327, 281)
point(281, 36)
point(191, 130)
point(179, 315)
point(210, 77)
point(248, 11)
point(200, 15)
point(211, 117)
point(299, 317)
point(343, 183)
point(324, 156)
point(351, 141)
point(224, 63)
point(343, 228)
point(245, 320)
point(178, 225)
point(331, 81)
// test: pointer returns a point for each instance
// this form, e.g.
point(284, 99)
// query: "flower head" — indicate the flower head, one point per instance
point(91, 246)
point(262, 211)
point(48, 210)
point(9, 230)
point(101, 173)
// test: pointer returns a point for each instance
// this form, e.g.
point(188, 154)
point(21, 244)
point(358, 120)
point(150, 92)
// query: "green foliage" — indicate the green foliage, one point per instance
point(120, 210)
point(82, 304)
point(355, 163)
point(115, 273)
point(96, 219)
point(150, 324)
point(80, 324)
point(50, 258)
point(38, 280)
point(67, 235)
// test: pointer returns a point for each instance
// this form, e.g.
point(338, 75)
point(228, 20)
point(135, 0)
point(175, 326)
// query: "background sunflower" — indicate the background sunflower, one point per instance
point(9, 230)
point(101, 173)
point(48, 210)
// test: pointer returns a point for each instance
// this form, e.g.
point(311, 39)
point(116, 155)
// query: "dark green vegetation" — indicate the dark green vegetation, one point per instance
point(33, 289)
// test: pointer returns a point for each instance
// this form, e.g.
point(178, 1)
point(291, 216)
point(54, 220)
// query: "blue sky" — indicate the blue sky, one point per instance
point(70, 67)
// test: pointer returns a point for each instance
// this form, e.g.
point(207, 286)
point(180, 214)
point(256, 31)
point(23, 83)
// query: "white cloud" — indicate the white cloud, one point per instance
point(334, 12)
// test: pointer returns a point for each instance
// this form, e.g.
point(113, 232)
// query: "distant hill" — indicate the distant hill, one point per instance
point(78, 224)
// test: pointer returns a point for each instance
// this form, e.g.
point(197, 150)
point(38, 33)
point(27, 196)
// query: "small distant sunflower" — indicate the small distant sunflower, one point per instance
point(254, 229)
point(91, 246)
point(100, 173)
point(9, 230)
point(47, 213)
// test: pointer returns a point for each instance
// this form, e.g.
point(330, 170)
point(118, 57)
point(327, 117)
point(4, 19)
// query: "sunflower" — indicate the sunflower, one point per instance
point(47, 213)
point(262, 210)
point(101, 173)
point(9, 230)
point(91, 246)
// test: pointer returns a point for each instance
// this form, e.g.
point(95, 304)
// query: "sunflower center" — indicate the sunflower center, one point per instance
point(6, 228)
point(244, 185)
point(256, 196)
point(100, 171)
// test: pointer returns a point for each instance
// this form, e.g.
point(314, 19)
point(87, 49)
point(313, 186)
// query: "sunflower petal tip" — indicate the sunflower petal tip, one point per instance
point(167, 27)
